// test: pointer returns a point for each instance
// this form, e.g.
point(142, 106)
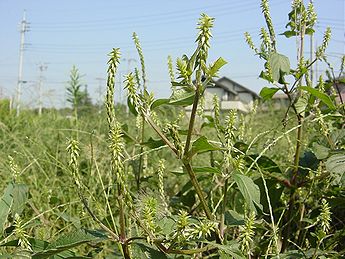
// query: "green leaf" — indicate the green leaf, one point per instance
point(230, 249)
point(267, 92)
point(189, 184)
point(128, 138)
point(153, 143)
point(185, 100)
point(320, 95)
point(288, 34)
point(5, 205)
point(280, 65)
point(131, 107)
point(209, 122)
point(309, 31)
point(321, 152)
point(336, 164)
point(167, 224)
point(265, 163)
point(249, 190)
point(216, 66)
point(174, 83)
point(265, 76)
point(301, 104)
point(159, 102)
point(20, 197)
point(207, 169)
point(232, 218)
point(68, 241)
point(36, 244)
point(202, 145)
point(153, 253)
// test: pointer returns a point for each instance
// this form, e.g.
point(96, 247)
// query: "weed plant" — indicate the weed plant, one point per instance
point(160, 183)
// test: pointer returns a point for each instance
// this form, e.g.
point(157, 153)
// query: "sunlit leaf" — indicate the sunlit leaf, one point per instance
point(267, 92)
point(20, 197)
point(249, 190)
point(5, 205)
point(320, 95)
point(280, 65)
point(68, 241)
point(202, 145)
point(216, 66)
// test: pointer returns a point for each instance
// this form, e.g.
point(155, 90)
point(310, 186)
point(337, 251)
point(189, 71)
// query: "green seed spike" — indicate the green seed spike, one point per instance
point(141, 56)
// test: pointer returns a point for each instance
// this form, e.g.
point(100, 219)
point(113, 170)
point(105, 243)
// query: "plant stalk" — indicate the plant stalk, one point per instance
point(141, 162)
point(222, 217)
point(198, 189)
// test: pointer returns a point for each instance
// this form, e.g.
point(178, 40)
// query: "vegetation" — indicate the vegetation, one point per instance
point(159, 183)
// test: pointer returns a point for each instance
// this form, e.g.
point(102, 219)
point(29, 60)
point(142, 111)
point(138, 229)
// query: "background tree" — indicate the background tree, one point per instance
point(75, 95)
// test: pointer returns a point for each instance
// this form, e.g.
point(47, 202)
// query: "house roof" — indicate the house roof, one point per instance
point(220, 83)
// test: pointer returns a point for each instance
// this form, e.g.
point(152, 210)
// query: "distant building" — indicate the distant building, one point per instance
point(231, 95)
point(339, 87)
point(279, 101)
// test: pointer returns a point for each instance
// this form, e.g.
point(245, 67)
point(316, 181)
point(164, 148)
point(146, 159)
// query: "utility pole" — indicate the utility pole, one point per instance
point(42, 68)
point(23, 28)
point(100, 100)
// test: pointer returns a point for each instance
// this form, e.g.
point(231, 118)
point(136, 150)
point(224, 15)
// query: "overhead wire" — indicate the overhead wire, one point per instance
point(138, 23)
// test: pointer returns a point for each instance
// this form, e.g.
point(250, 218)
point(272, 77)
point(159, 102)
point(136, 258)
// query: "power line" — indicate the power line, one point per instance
point(149, 17)
point(150, 20)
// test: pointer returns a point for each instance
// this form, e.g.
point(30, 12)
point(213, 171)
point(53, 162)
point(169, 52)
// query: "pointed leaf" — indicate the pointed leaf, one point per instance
point(202, 145)
point(68, 241)
point(153, 143)
point(230, 249)
point(232, 218)
point(336, 164)
point(267, 92)
point(249, 190)
point(216, 66)
point(131, 107)
point(185, 100)
point(280, 65)
point(159, 102)
point(5, 205)
point(207, 169)
point(20, 197)
point(288, 34)
point(301, 104)
point(321, 152)
point(153, 253)
point(320, 95)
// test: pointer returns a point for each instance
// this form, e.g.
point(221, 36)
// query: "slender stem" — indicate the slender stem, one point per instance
point(187, 160)
point(141, 163)
point(297, 150)
point(191, 122)
point(122, 222)
point(198, 189)
point(160, 134)
point(95, 218)
point(222, 217)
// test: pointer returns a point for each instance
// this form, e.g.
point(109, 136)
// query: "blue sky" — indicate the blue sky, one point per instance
point(81, 32)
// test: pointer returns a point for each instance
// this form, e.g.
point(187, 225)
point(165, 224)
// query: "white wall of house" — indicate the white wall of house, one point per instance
point(228, 99)
point(216, 91)
point(246, 97)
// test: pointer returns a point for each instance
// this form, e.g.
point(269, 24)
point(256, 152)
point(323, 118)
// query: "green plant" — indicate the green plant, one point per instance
point(160, 183)
point(75, 95)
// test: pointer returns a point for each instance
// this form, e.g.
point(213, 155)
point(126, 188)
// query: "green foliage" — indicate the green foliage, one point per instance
point(162, 183)
point(76, 96)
